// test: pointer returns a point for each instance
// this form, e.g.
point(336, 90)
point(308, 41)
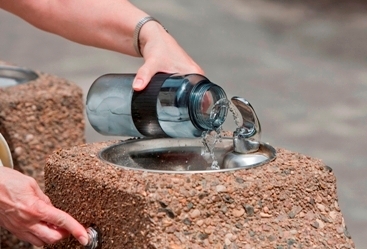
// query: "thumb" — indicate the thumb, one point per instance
point(143, 77)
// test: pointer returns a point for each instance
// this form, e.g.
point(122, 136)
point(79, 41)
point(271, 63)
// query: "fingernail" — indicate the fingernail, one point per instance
point(138, 84)
point(83, 240)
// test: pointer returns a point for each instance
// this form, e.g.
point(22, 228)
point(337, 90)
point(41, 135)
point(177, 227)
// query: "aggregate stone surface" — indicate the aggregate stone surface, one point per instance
point(290, 202)
point(37, 118)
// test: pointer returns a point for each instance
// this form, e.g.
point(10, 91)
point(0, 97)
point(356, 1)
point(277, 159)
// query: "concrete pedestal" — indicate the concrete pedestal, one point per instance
point(290, 202)
point(36, 118)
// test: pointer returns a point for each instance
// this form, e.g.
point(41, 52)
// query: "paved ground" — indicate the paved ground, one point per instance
point(303, 71)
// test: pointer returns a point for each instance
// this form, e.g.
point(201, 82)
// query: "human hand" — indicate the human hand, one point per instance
point(161, 54)
point(28, 213)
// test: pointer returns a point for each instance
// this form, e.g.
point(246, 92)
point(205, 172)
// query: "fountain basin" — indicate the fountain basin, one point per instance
point(11, 75)
point(184, 155)
point(39, 113)
point(289, 202)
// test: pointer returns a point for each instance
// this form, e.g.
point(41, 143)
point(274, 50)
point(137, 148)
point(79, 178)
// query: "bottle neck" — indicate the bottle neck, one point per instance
point(203, 98)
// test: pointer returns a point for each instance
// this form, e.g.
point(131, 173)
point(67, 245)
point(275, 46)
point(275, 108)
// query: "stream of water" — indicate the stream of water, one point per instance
point(211, 137)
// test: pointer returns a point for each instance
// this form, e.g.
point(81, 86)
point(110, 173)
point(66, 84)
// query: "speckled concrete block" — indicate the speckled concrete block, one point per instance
point(290, 202)
point(37, 118)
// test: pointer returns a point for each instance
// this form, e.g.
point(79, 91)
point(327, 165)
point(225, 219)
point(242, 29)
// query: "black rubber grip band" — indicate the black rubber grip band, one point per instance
point(144, 107)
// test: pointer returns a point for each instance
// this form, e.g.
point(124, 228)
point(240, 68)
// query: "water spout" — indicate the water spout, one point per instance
point(246, 138)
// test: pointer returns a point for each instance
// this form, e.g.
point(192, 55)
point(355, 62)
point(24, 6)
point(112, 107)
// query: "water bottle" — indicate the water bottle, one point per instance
point(171, 105)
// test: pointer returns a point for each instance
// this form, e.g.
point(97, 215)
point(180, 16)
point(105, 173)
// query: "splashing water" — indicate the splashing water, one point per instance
point(233, 110)
point(212, 137)
point(209, 140)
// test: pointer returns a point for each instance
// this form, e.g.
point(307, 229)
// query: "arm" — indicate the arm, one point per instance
point(109, 25)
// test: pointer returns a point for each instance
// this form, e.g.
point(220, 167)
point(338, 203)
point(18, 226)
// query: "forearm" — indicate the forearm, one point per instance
point(107, 24)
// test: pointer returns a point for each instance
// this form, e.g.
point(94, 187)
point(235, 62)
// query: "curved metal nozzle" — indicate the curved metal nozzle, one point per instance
point(246, 139)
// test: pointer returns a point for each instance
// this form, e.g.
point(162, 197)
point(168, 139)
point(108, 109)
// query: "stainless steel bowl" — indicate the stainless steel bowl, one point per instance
point(184, 155)
point(11, 76)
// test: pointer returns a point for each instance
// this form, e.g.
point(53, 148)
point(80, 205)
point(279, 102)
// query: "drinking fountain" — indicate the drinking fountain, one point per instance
point(164, 193)
point(39, 113)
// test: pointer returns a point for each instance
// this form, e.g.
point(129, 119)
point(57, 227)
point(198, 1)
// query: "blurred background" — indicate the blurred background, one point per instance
point(301, 64)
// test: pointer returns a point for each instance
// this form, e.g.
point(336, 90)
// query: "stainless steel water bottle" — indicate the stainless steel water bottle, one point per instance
point(170, 106)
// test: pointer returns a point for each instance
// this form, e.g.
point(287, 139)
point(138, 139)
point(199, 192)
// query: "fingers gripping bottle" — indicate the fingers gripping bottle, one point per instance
point(170, 106)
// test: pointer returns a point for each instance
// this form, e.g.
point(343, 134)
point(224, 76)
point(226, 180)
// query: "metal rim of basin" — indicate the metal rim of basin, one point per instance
point(12, 75)
point(173, 155)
